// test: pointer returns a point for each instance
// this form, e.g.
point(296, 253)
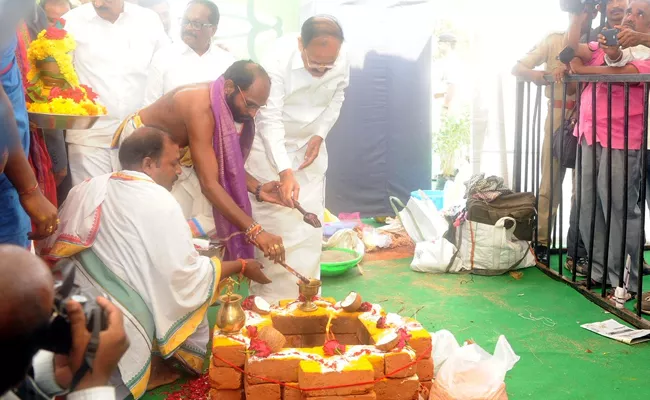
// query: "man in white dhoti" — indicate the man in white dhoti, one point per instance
point(309, 74)
point(195, 59)
point(116, 42)
point(129, 238)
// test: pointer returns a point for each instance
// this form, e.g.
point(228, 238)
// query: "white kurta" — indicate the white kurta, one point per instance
point(172, 67)
point(299, 108)
point(113, 59)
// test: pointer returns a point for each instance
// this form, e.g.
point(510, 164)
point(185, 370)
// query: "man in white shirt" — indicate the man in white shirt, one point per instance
point(308, 74)
point(194, 59)
point(116, 42)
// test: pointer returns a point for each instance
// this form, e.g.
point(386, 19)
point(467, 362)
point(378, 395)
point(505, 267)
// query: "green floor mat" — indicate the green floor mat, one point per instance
point(540, 317)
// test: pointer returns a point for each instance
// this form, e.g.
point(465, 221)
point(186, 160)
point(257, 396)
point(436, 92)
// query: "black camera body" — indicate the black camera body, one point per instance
point(578, 6)
point(58, 335)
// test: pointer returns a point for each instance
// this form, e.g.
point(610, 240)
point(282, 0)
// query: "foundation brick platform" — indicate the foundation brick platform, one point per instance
point(302, 363)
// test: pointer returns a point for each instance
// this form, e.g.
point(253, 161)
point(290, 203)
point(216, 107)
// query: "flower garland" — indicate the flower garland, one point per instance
point(70, 98)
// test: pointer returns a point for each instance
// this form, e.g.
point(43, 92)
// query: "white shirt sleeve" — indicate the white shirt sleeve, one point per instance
point(331, 114)
point(96, 393)
point(271, 127)
point(43, 365)
point(155, 80)
point(630, 54)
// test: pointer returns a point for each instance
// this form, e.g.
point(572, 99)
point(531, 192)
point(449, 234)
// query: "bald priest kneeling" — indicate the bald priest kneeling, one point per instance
point(129, 238)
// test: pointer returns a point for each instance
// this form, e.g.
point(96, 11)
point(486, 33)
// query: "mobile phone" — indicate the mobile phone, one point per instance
point(611, 36)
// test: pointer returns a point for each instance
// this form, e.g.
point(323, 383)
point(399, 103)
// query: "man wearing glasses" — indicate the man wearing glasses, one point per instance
point(309, 74)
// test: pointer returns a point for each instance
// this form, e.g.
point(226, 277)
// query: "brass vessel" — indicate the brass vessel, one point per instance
point(231, 317)
point(51, 74)
point(309, 291)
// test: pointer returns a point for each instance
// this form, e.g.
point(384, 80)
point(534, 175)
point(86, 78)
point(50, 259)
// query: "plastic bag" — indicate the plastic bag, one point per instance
point(434, 257)
point(421, 219)
point(469, 372)
point(345, 239)
point(373, 238)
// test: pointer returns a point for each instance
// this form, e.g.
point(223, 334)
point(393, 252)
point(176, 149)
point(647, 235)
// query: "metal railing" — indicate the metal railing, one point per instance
point(527, 173)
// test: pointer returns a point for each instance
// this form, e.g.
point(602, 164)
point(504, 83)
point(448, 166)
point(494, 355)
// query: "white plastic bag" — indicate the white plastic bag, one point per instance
point(493, 249)
point(469, 372)
point(434, 257)
point(346, 239)
point(420, 218)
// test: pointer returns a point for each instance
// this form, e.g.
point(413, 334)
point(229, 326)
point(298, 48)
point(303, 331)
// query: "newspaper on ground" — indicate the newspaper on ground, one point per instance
point(617, 331)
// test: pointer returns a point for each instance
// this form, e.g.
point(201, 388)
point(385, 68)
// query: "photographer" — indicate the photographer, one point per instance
point(26, 308)
point(590, 59)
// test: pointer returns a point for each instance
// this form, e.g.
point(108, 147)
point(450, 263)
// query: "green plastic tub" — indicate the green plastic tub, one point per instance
point(341, 267)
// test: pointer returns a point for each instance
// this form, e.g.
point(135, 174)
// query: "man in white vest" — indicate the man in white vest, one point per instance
point(309, 74)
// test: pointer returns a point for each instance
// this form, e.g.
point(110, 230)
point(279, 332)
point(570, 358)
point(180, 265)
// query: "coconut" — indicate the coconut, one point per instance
point(388, 342)
point(273, 338)
point(352, 302)
point(261, 306)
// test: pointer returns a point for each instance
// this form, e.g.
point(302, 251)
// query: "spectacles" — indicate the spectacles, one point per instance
point(252, 107)
point(196, 25)
point(317, 66)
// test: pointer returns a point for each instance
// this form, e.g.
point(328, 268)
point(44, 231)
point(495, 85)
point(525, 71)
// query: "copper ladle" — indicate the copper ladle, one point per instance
point(309, 218)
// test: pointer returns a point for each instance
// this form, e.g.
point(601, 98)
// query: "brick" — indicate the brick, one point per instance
point(349, 339)
point(367, 396)
point(231, 351)
point(397, 360)
point(313, 340)
point(226, 394)
point(225, 378)
point(378, 364)
point(424, 369)
point(293, 342)
point(278, 369)
point(300, 325)
point(310, 375)
point(346, 323)
point(266, 391)
point(420, 342)
point(289, 393)
point(397, 389)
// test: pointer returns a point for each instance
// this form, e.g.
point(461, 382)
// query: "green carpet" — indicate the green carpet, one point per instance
point(540, 317)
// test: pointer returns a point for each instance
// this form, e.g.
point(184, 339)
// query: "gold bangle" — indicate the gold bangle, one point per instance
point(29, 191)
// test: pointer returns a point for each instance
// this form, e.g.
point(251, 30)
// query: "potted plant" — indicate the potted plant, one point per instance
point(449, 143)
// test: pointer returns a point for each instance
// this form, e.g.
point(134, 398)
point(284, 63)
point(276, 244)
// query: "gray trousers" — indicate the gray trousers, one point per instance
point(598, 167)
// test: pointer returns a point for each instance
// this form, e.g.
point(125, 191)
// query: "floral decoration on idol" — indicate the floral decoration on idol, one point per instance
point(53, 84)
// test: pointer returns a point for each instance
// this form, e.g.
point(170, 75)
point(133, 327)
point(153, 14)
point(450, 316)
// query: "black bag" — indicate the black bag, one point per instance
point(565, 145)
point(518, 206)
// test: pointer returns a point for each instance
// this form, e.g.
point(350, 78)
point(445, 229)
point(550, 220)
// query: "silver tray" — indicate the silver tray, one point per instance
point(61, 121)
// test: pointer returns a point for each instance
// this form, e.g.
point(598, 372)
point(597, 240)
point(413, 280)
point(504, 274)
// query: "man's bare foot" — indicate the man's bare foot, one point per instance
point(161, 373)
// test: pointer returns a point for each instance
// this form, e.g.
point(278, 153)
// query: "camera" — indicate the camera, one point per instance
point(57, 337)
point(578, 6)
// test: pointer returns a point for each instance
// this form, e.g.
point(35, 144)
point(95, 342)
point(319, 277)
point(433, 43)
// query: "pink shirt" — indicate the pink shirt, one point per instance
point(636, 107)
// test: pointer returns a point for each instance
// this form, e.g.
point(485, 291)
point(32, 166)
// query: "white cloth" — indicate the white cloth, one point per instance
point(87, 162)
point(299, 108)
point(113, 59)
point(154, 256)
point(178, 65)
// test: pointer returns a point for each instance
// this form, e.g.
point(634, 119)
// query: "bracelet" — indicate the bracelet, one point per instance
point(258, 193)
point(253, 226)
point(243, 268)
point(29, 191)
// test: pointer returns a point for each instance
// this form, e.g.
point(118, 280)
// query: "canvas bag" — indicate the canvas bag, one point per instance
point(420, 218)
point(519, 207)
point(493, 249)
